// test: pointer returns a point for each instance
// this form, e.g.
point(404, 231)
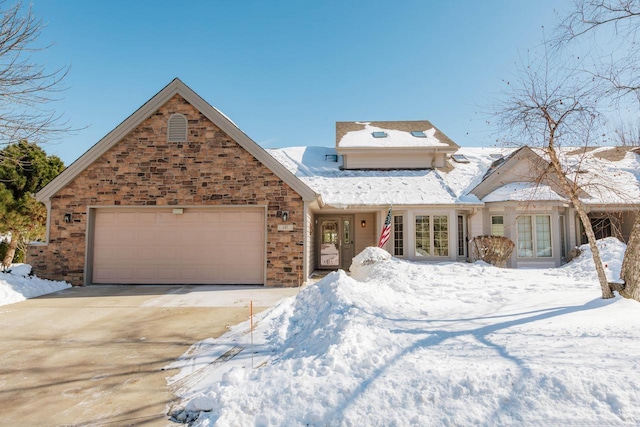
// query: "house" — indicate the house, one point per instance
point(457, 194)
point(177, 193)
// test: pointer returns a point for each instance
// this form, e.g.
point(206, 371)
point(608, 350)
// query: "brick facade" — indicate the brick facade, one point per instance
point(143, 169)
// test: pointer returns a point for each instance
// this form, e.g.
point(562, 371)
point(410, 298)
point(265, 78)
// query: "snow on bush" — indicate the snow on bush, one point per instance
point(17, 285)
point(402, 343)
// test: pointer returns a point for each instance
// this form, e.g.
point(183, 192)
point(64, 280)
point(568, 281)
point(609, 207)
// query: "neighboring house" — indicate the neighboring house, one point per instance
point(178, 194)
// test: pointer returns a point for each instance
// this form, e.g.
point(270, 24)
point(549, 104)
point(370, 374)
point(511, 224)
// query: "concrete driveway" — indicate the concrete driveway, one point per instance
point(95, 355)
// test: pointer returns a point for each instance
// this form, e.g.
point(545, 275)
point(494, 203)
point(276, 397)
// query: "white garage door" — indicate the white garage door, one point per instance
point(199, 246)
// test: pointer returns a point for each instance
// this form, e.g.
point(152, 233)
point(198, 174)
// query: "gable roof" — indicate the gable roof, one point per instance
point(398, 135)
point(216, 117)
point(522, 165)
point(604, 175)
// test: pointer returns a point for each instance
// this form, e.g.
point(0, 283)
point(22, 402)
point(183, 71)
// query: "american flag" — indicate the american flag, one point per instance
point(386, 230)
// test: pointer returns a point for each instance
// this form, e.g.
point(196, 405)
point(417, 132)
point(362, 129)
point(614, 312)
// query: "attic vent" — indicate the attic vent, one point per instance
point(177, 128)
point(379, 134)
point(460, 158)
point(331, 158)
point(418, 134)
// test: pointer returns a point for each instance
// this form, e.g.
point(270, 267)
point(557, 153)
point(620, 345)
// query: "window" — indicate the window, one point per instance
point(497, 225)
point(418, 134)
point(461, 240)
point(563, 238)
point(331, 158)
point(346, 231)
point(432, 235)
point(423, 236)
point(379, 134)
point(177, 128)
point(534, 231)
point(460, 158)
point(525, 237)
point(543, 235)
point(398, 235)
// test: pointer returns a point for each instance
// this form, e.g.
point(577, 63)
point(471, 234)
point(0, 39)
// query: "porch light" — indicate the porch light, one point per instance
point(363, 223)
point(67, 217)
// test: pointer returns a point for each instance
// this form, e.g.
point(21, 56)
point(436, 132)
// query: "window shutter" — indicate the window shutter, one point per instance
point(177, 128)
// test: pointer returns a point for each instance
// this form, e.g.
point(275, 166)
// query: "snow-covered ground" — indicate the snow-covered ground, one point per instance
point(400, 343)
point(17, 285)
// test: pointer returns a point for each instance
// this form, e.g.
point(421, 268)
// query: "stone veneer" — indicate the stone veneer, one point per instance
point(143, 169)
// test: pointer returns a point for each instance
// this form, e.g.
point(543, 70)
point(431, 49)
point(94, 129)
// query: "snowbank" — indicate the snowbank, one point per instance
point(611, 252)
point(403, 343)
point(18, 285)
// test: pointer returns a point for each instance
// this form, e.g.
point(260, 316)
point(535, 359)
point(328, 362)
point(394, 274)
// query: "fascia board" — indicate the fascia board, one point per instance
point(488, 184)
point(107, 142)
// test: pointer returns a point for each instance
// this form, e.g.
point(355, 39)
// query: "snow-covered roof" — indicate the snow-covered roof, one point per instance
point(389, 138)
point(342, 188)
point(523, 192)
point(401, 134)
point(607, 179)
point(610, 175)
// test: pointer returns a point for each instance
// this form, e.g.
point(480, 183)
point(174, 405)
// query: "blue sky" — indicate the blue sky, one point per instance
point(286, 71)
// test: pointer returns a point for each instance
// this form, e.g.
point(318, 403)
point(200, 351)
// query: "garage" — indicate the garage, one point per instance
point(178, 246)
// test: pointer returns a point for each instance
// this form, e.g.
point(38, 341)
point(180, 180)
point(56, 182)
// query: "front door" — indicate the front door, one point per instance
point(329, 243)
point(336, 242)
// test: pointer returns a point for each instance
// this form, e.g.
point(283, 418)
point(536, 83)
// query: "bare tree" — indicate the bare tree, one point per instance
point(27, 88)
point(620, 70)
point(548, 105)
point(609, 28)
point(630, 272)
point(628, 135)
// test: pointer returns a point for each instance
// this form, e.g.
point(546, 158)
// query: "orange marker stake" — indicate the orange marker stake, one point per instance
point(251, 326)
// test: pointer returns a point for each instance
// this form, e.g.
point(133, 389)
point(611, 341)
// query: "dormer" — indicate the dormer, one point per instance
point(392, 145)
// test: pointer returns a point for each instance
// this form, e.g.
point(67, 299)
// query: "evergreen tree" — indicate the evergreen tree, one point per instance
point(24, 169)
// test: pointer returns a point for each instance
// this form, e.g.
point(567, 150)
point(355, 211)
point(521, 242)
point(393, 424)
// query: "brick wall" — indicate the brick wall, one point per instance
point(143, 169)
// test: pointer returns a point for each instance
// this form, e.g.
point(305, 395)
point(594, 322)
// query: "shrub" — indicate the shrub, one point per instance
point(574, 253)
point(494, 250)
